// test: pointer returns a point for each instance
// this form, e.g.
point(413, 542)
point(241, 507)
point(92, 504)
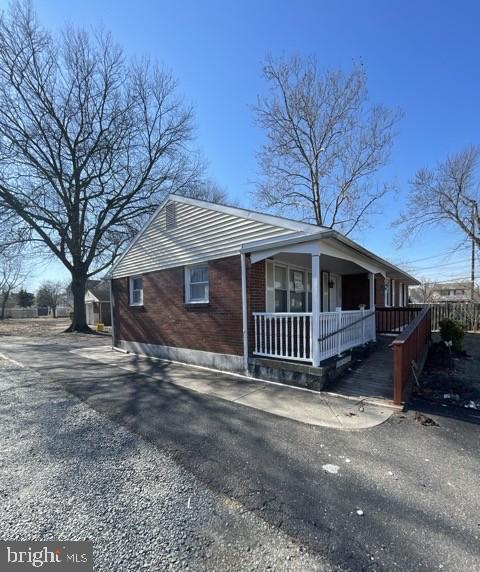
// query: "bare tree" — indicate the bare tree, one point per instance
point(89, 144)
point(324, 143)
point(11, 276)
point(424, 292)
point(51, 293)
point(449, 194)
point(208, 190)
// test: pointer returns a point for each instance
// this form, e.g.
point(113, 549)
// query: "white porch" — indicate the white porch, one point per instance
point(319, 299)
point(296, 336)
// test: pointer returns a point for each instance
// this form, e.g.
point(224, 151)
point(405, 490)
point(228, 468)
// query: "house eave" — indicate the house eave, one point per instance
point(392, 270)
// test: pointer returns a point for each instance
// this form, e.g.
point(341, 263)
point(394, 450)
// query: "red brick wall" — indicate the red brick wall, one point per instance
point(256, 297)
point(165, 319)
point(355, 291)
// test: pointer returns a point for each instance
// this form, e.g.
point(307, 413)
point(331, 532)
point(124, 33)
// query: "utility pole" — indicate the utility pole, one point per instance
point(472, 275)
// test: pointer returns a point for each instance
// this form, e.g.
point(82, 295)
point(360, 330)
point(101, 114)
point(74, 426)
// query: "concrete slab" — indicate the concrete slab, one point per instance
point(294, 403)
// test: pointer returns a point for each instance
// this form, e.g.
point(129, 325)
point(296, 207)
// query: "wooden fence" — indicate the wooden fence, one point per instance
point(410, 350)
point(467, 313)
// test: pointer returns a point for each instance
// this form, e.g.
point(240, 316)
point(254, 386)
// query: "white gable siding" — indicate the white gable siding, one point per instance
point(200, 234)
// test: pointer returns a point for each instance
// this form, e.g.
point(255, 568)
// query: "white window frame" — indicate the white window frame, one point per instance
point(188, 273)
point(131, 289)
point(388, 292)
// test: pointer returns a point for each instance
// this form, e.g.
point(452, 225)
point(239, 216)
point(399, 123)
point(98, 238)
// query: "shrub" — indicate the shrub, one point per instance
point(453, 331)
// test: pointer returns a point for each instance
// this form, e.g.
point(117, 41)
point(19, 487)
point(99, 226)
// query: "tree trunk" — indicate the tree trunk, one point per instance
point(79, 321)
point(6, 295)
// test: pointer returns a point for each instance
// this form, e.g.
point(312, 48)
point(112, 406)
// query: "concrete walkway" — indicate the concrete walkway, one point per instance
point(292, 403)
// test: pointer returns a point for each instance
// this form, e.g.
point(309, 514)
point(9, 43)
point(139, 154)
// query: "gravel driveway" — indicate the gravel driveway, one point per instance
point(67, 472)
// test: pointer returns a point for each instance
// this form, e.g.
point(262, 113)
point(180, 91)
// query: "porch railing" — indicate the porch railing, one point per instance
point(341, 331)
point(393, 320)
point(409, 352)
point(289, 335)
point(286, 335)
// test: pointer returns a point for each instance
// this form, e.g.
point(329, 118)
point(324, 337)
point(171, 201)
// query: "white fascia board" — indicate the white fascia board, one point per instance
point(276, 243)
point(311, 247)
point(339, 251)
point(392, 270)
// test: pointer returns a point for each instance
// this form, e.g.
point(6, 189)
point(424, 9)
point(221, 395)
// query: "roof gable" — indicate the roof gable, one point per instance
point(202, 231)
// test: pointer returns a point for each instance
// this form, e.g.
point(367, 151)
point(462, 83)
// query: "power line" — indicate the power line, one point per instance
point(443, 265)
point(445, 252)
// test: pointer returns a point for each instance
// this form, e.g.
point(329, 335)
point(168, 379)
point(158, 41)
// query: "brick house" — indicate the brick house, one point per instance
point(220, 286)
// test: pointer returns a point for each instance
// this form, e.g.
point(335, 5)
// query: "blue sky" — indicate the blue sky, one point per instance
point(422, 56)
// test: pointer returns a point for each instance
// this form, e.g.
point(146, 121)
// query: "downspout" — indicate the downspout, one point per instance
point(112, 312)
point(244, 312)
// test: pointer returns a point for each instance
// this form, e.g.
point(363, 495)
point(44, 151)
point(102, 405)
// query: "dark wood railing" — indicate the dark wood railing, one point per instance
point(410, 350)
point(394, 320)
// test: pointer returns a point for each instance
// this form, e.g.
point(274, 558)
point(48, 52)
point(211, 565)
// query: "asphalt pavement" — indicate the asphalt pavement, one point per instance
point(399, 496)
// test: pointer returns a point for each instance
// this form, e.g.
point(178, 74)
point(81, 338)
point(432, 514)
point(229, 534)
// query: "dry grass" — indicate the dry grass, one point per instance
point(33, 327)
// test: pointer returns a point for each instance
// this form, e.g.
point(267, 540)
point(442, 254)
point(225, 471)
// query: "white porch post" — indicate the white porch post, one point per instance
point(371, 278)
point(112, 311)
point(315, 332)
point(244, 312)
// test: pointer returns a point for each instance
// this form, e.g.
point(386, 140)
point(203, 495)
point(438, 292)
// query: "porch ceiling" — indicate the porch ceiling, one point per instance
point(327, 263)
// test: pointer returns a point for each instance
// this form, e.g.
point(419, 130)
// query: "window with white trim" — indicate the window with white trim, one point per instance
point(288, 288)
point(196, 284)
point(136, 290)
point(281, 289)
point(388, 292)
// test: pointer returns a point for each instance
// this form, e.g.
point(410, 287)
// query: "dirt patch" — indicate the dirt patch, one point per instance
point(33, 327)
point(452, 378)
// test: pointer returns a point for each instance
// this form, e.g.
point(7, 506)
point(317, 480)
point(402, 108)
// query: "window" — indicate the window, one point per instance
point(170, 216)
point(444, 292)
point(388, 292)
point(280, 289)
point(288, 288)
point(196, 284)
point(297, 291)
point(136, 291)
point(459, 292)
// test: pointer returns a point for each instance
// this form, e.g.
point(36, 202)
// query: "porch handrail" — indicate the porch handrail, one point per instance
point(281, 314)
point(368, 314)
point(410, 346)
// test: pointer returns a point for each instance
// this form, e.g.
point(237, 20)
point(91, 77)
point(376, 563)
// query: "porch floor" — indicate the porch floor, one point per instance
point(373, 378)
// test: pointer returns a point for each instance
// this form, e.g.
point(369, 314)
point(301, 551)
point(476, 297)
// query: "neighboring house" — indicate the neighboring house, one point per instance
point(443, 292)
point(97, 302)
point(452, 292)
point(217, 286)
